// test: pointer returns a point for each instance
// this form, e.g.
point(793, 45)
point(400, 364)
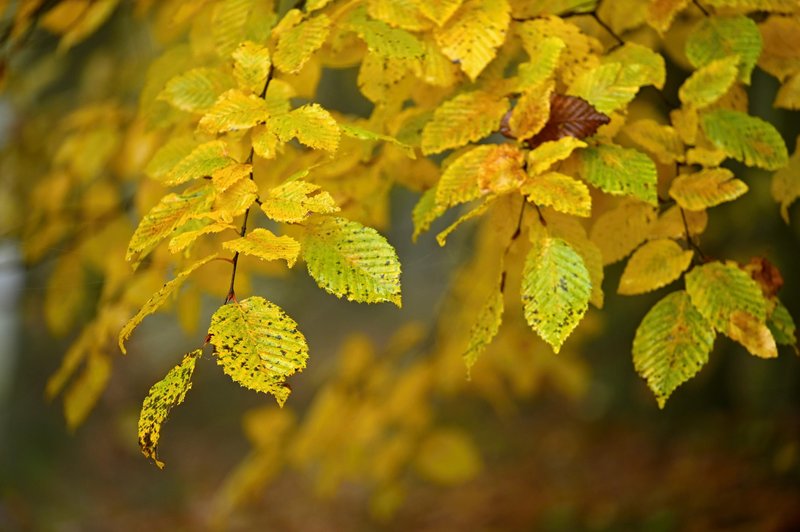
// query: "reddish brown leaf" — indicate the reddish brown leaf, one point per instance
point(765, 274)
point(570, 116)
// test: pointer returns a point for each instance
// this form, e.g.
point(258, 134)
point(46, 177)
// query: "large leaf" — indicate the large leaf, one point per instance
point(165, 394)
point(657, 263)
point(720, 37)
point(746, 138)
point(258, 345)
point(158, 299)
point(265, 245)
point(620, 171)
point(671, 345)
point(350, 260)
point(555, 290)
point(706, 188)
point(466, 118)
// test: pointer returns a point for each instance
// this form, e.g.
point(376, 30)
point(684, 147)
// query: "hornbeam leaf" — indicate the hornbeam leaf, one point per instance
point(531, 112)
point(619, 231)
point(459, 181)
point(251, 66)
point(310, 124)
point(746, 138)
point(708, 84)
point(671, 345)
point(640, 65)
point(203, 161)
point(657, 263)
point(782, 326)
point(545, 52)
point(197, 89)
point(620, 171)
point(501, 170)
point(485, 328)
point(605, 87)
point(468, 117)
point(265, 245)
point(786, 183)
point(753, 334)
point(662, 141)
point(541, 158)
point(706, 188)
point(158, 299)
point(170, 154)
point(258, 345)
point(425, 212)
point(720, 37)
point(555, 290)
point(473, 33)
point(441, 238)
point(234, 110)
point(660, 13)
point(350, 260)
point(570, 116)
point(439, 11)
point(294, 200)
point(185, 239)
point(383, 40)
point(165, 394)
point(562, 192)
point(297, 44)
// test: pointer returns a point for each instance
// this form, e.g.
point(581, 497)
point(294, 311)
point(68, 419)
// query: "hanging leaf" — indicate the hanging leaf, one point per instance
point(531, 112)
point(472, 34)
point(158, 299)
point(165, 394)
point(720, 37)
point(251, 66)
point(266, 245)
point(468, 117)
point(555, 290)
point(657, 263)
point(350, 260)
point(706, 188)
point(670, 223)
point(570, 116)
point(662, 141)
point(170, 154)
point(545, 155)
point(619, 231)
point(203, 161)
point(425, 212)
point(746, 138)
point(297, 44)
point(753, 334)
point(562, 192)
point(197, 89)
point(572, 231)
point(293, 201)
point(185, 238)
point(441, 238)
point(672, 345)
point(459, 181)
point(709, 83)
point(311, 125)
point(234, 110)
point(258, 345)
point(786, 183)
point(485, 328)
point(620, 171)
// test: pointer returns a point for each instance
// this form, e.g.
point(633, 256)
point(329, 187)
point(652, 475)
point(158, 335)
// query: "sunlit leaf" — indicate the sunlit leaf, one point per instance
point(605, 87)
point(562, 192)
point(297, 44)
point(467, 117)
point(203, 161)
point(641, 65)
point(234, 110)
point(657, 263)
point(746, 138)
point(295, 200)
point(265, 245)
point(531, 113)
point(251, 66)
point(441, 238)
point(382, 39)
point(439, 11)
point(706, 188)
point(660, 13)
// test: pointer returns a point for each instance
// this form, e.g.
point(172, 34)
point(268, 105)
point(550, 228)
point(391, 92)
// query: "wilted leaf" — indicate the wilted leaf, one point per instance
point(570, 116)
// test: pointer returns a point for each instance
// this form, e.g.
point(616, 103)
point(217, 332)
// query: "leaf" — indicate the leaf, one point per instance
point(297, 44)
point(545, 54)
point(448, 457)
point(786, 183)
point(604, 87)
point(640, 65)
point(86, 389)
point(620, 171)
point(720, 37)
point(531, 112)
point(709, 83)
point(441, 238)
point(311, 125)
point(439, 11)
point(472, 34)
point(165, 394)
point(545, 155)
point(350, 260)
point(570, 116)
point(706, 188)
point(752, 333)
point(383, 40)
point(660, 13)
point(782, 326)
point(555, 290)
point(670, 223)
point(562, 192)
point(65, 294)
point(425, 212)
point(356, 132)
point(780, 56)
point(203, 161)
point(788, 96)
point(226, 177)
point(265, 245)
point(501, 170)
point(158, 299)
point(258, 345)
point(185, 238)
point(196, 90)
point(485, 327)
point(170, 154)
point(672, 345)
point(234, 110)
point(294, 200)
point(251, 66)
point(459, 182)
point(235, 200)
point(746, 138)
point(468, 117)
point(572, 231)
point(402, 14)
point(662, 141)
point(657, 263)
point(619, 231)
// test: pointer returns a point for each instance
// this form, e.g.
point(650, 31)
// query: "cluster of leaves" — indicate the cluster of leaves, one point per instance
point(544, 119)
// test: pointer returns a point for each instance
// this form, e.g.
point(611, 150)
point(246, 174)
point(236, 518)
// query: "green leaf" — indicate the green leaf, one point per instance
point(158, 299)
point(746, 138)
point(297, 44)
point(197, 89)
point(258, 345)
point(203, 161)
point(311, 125)
point(251, 66)
point(709, 83)
point(620, 171)
point(485, 328)
point(466, 118)
point(383, 40)
point(555, 290)
point(350, 260)
point(165, 394)
point(781, 324)
point(657, 263)
point(706, 188)
point(672, 345)
point(234, 110)
point(720, 37)
point(294, 200)
point(640, 65)
point(265, 245)
point(605, 87)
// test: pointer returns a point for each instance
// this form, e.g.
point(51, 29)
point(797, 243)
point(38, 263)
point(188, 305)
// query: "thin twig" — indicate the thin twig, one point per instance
point(701, 8)
point(511, 240)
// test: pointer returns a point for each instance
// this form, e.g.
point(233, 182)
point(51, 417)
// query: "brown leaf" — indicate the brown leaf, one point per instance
point(570, 116)
point(766, 275)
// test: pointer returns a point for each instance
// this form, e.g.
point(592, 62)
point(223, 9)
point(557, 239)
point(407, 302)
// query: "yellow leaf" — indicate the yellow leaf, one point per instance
point(473, 33)
point(604, 87)
point(86, 389)
point(447, 457)
point(660, 13)
point(404, 14)
point(229, 24)
point(295, 200)
point(441, 238)
point(165, 394)
point(264, 141)
point(186, 238)
point(753, 334)
point(170, 154)
point(235, 200)
point(709, 83)
point(641, 65)
point(781, 53)
point(383, 79)
point(541, 158)
point(670, 223)
point(501, 170)
point(158, 299)
point(545, 54)
point(234, 110)
point(706, 157)
point(227, 176)
point(706, 188)
point(265, 245)
point(310, 124)
point(686, 122)
point(92, 18)
point(662, 141)
point(439, 11)
point(786, 183)
point(531, 112)
point(298, 43)
point(196, 90)
point(383, 40)
point(459, 182)
point(657, 263)
point(251, 66)
point(748, 139)
point(468, 117)
point(788, 96)
point(203, 161)
point(485, 327)
point(65, 294)
point(619, 231)
point(562, 192)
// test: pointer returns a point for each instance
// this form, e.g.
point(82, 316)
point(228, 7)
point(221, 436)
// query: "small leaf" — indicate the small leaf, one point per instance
point(672, 345)
point(485, 328)
point(746, 138)
point(293, 201)
point(660, 13)
point(297, 44)
point(251, 66)
point(234, 110)
point(258, 345)
point(459, 181)
point(620, 171)
point(786, 183)
point(226, 177)
point(165, 394)
point(311, 125)
point(708, 84)
point(641, 65)
point(170, 154)
point(562, 192)
point(501, 170)
point(158, 299)
point(619, 231)
point(570, 116)
point(706, 188)
point(265, 245)
point(350, 260)
point(720, 37)
point(203, 161)
point(555, 290)
point(185, 238)
point(197, 89)
point(662, 141)
point(383, 40)
point(657, 263)
point(468, 117)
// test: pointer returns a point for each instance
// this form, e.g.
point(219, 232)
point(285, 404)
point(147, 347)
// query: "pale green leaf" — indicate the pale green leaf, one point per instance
point(620, 171)
point(234, 110)
point(544, 54)
point(297, 44)
point(295, 200)
point(197, 89)
point(485, 328)
point(782, 326)
point(720, 37)
point(265, 245)
point(706, 188)
point(251, 66)
point(748, 139)
point(168, 155)
point(657, 263)
point(466, 118)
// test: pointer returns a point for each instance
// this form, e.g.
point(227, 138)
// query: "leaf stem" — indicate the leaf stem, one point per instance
point(701, 8)
point(514, 236)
